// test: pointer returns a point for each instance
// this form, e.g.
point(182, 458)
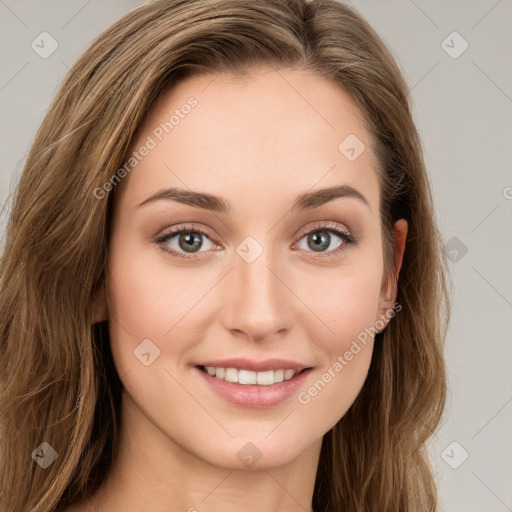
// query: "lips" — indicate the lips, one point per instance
point(256, 366)
point(254, 384)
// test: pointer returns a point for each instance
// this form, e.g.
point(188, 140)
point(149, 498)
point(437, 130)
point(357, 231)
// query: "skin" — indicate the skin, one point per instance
point(258, 143)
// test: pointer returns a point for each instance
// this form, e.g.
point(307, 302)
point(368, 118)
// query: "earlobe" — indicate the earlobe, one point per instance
point(100, 305)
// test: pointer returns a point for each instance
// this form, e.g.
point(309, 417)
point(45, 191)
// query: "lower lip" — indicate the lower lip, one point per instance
point(252, 395)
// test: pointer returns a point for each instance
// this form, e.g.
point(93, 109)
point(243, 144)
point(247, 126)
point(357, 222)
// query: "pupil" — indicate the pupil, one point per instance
point(191, 241)
point(320, 242)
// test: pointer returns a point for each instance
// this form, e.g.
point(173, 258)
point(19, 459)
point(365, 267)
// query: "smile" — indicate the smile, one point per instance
point(245, 377)
point(250, 388)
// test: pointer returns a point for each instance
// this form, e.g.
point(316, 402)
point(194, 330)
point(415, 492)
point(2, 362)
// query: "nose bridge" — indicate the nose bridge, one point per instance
point(258, 304)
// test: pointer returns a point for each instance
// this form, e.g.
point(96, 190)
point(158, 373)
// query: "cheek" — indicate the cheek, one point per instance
point(346, 304)
point(146, 295)
point(343, 304)
point(138, 303)
point(150, 299)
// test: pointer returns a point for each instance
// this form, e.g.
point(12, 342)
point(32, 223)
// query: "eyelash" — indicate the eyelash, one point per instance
point(347, 238)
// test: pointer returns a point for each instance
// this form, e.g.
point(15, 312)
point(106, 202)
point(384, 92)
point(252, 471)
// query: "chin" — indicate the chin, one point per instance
point(258, 452)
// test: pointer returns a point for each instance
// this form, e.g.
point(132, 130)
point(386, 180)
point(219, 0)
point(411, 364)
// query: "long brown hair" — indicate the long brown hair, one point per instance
point(58, 382)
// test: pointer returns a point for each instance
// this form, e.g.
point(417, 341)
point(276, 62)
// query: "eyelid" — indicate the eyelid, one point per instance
point(345, 234)
point(168, 233)
point(326, 225)
point(178, 228)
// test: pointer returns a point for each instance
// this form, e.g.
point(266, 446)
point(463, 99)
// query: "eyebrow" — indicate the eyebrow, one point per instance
point(304, 201)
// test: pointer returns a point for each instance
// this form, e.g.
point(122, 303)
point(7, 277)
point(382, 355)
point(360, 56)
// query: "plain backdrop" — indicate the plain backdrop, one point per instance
point(457, 59)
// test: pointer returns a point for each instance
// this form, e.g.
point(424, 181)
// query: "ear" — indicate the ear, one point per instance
point(389, 289)
point(100, 305)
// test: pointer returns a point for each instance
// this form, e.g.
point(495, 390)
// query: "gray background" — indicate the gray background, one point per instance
point(462, 107)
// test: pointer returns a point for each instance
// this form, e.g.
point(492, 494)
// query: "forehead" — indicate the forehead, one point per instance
point(277, 131)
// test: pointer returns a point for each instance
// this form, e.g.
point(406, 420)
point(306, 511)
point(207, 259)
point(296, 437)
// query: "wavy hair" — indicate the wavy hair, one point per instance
point(58, 383)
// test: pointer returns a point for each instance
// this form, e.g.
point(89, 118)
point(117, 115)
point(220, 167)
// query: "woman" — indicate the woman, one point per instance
point(223, 285)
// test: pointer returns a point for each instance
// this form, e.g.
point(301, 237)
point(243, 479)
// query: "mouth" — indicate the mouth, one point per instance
point(249, 377)
point(253, 385)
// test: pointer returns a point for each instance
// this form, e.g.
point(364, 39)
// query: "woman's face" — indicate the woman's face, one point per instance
point(258, 278)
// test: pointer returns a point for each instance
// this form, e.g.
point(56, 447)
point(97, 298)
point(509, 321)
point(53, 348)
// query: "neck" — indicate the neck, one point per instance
point(154, 472)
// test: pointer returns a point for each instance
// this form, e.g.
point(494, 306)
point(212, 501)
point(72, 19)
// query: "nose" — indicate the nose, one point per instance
point(258, 301)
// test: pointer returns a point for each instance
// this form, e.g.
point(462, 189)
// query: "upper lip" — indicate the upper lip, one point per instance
point(257, 366)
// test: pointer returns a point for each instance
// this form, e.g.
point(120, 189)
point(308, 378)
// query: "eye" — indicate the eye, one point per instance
point(326, 238)
point(183, 241)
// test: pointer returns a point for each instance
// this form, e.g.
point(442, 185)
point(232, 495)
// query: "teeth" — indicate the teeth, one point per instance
point(279, 376)
point(288, 374)
point(265, 378)
point(231, 375)
point(249, 377)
